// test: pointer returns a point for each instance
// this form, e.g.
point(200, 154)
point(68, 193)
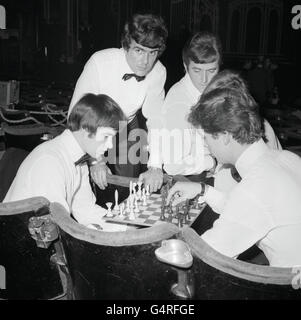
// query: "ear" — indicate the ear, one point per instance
point(227, 138)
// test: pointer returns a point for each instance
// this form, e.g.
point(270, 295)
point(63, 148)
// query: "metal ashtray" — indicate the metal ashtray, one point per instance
point(175, 252)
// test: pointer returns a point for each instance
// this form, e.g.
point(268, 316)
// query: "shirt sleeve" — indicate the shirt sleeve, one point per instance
point(87, 82)
point(215, 199)
point(239, 226)
point(152, 111)
point(152, 106)
point(183, 148)
point(84, 208)
point(47, 179)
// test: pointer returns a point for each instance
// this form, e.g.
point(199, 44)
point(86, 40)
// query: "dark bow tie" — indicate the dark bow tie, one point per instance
point(84, 159)
point(235, 175)
point(128, 76)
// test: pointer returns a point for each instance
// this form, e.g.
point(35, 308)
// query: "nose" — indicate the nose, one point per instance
point(204, 76)
point(145, 58)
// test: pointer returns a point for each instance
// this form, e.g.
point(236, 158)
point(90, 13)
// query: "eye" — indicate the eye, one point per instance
point(137, 50)
point(212, 70)
point(153, 53)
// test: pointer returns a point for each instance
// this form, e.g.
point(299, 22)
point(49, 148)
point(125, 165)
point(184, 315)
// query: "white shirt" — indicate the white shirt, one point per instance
point(49, 171)
point(187, 153)
point(223, 180)
point(263, 209)
point(103, 74)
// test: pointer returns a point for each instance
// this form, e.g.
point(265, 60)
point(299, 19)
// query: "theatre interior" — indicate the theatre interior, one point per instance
point(44, 253)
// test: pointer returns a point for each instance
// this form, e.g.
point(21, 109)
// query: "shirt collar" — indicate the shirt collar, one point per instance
point(250, 156)
point(193, 92)
point(72, 146)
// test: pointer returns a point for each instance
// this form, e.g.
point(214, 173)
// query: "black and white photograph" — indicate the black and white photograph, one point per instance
point(150, 153)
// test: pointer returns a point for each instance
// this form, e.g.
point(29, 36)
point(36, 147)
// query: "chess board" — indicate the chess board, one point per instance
point(150, 214)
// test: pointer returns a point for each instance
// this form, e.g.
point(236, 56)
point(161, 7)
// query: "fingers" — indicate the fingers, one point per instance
point(178, 200)
point(172, 191)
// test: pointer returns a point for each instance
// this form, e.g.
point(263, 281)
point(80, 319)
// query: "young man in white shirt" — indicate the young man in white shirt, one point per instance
point(202, 60)
point(134, 77)
point(264, 208)
point(54, 170)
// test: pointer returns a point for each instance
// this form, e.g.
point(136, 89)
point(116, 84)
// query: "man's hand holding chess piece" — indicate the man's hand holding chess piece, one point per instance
point(183, 190)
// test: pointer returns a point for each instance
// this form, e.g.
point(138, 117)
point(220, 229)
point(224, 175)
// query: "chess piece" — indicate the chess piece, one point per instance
point(136, 209)
point(134, 188)
point(109, 211)
point(121, 209)
point(116, 207)
point(128, 209)
point(162, 217)
point(147, 191)
point(139, 192)
point(132, 215)
point(144, 199)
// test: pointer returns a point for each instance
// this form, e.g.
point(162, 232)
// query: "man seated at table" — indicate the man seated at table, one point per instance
point(264, 208)
point(54, 169)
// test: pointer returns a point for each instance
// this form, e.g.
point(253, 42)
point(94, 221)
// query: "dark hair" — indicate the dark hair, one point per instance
point(147, 30)
point(227, 110)
point(202, 47)
point(94, 111)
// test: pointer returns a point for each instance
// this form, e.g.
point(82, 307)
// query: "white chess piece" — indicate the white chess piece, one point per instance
point(121, 209)
point(116, 207)
point(128, 209)
point(131, 187)
point(147, 191)
point(109, 211)
point(136, 210)
point(144, 199)
point(134, 188)
point(139, 192)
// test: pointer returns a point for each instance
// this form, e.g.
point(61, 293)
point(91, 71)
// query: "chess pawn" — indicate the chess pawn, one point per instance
point(121, 209)
point(147, 191)
point(139, 192)
point(136, 210)
point(144, 199)
point(128, 209)
point(109, 211)
point(134, 188)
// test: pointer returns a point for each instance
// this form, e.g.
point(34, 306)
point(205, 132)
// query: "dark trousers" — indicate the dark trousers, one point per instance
point(128, 158)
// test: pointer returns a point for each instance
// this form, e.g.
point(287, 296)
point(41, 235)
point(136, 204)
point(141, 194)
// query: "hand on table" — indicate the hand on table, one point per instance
point(99, 173)
point(152, 177)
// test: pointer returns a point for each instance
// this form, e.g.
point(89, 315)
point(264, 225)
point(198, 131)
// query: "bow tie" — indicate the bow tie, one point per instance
point(84, 159)
point(235, 175)
point(128, 76)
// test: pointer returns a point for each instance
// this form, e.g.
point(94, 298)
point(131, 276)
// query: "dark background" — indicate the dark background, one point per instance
point(52, 39)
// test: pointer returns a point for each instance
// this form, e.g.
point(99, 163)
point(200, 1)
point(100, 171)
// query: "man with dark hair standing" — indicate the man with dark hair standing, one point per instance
point(54, 169)
point(264, 208)
point(134, 77)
